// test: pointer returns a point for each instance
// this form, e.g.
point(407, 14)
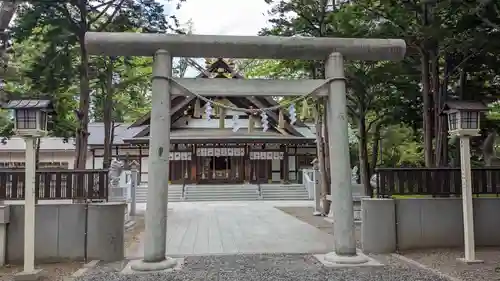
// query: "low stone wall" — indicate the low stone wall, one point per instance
point(60, 232)
point(404, 224)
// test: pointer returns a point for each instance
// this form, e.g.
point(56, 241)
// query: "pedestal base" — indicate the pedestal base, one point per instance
point(463, 260)
point(334, 260)
point(29, 275)
point(139, 266)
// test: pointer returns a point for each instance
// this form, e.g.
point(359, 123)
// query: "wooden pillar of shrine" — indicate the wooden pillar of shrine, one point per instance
point(284, 165)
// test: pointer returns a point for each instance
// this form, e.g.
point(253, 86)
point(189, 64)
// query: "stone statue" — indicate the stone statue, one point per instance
point(115, 171)
point(374, 180)
point(354, 175)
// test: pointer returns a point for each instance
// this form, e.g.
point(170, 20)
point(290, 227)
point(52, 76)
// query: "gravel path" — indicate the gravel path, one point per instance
point(445, 261)
point(267, 267)
point(51, 272)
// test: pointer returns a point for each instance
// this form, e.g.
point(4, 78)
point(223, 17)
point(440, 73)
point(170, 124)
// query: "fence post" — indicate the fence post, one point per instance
point(134, 175)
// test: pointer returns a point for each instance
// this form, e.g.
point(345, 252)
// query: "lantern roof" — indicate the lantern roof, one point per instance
point(464, 106)
point(29, 104)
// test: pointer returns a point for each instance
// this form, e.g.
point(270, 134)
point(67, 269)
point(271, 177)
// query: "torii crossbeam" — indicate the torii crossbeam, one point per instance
point(164, 46)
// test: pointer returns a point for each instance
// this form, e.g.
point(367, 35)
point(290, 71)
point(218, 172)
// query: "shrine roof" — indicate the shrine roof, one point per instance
point(184, 105)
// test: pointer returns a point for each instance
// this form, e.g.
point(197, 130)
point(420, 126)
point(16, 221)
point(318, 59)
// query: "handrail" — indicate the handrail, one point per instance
point(308, 182)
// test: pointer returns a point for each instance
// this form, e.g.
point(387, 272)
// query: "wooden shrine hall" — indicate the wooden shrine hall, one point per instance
point(211, 145)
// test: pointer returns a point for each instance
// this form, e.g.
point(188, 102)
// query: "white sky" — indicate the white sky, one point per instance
point(223, 17)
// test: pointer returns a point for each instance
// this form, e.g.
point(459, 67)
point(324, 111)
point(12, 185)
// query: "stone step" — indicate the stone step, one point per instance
point(218, 197)
point(211, 194)
point(169, 192)
point(221, 198)
point(303, 191)
point(217, 192)
point(293, 198)
point(220, 189)
point(284, 194)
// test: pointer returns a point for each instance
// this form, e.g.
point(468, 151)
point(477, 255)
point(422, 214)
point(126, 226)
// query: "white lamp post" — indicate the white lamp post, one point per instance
point(30, 122)
point(463, 122)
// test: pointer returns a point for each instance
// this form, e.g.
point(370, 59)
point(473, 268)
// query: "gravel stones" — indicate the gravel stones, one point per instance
point(445, 261)
point(271, 268)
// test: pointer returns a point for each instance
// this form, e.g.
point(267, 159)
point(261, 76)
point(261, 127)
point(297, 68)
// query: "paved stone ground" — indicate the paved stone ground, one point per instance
point(285, 267)
point(213, 228)
point(305, 214)
point(220, 240)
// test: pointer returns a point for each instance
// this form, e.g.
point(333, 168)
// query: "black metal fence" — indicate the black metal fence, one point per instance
point(56, 184)
point(435, 181)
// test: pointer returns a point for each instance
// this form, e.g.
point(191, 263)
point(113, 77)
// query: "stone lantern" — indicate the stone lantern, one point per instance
point(30, 116)
point(464, 117)
point(463, 122)
point(30, 123)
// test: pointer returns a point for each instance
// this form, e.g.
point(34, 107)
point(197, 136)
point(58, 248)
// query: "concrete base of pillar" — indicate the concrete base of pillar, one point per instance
point(334, 260)
point(34, 275)
point(463, 260)
point(139, 266)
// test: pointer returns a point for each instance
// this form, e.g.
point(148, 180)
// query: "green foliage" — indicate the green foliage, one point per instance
point(47, 56)
point(401, 147)
point(458, 40)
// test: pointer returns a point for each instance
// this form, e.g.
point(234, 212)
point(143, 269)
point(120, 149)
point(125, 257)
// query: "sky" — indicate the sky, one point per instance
point(223, 17)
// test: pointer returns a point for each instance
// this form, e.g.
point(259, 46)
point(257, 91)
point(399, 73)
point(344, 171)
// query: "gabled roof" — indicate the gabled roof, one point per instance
point(28, 104)
point(464, 105)
point(221, 69)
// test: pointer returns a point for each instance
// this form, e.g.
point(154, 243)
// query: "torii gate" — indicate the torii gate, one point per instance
point(165, 46)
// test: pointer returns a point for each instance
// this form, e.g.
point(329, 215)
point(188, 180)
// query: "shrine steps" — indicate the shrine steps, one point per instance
point(230, 192)
point(244, 192)
point(174, 193)
point(284, 192)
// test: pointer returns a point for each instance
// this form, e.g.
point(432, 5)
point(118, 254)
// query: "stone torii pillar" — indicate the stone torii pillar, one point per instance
point(333, 50)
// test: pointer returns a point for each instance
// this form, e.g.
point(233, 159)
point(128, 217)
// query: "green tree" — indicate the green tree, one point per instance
point(378, 93)
point(65, 61)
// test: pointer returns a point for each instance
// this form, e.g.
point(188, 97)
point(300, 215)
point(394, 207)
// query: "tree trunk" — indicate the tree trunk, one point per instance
point(444, 118)
point(438, 99)
point(427, 109)
point(364, 167)
point(107, 114)
point(375, 147)
point(83, 109)
point(326, 156)
point(321, 158)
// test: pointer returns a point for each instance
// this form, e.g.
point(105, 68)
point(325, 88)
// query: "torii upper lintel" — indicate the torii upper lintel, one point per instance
point(259, 47)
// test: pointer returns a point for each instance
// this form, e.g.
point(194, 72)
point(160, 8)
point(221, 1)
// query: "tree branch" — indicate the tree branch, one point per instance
point(111, 17)
point(68, 15)
point(93, 9)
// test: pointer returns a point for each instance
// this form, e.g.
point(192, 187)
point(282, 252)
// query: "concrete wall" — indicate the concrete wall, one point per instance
point(60, 232)
point(404, 224)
